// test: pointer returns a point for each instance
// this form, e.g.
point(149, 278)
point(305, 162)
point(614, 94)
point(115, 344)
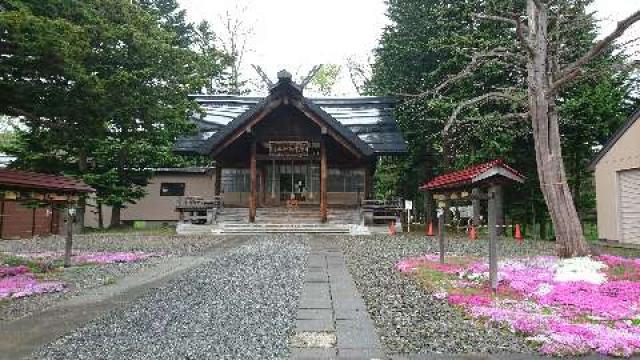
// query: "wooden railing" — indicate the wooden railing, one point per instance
point(377, 211)
point(199, 210)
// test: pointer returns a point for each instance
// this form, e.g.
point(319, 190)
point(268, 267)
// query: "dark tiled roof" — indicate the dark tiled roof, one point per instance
point(369, 119)
point(16, 179)
point(466, 176)
point(614, 139)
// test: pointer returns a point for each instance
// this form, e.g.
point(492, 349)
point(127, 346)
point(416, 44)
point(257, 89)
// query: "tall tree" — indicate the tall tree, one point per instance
point(542, 33)
point(109, 97)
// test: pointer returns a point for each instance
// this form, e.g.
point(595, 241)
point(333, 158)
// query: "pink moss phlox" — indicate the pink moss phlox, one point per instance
point(23, 285)
point(469, 300)
point(612, 301)
point(526, 280)
point(411, 264)
point(13, 270)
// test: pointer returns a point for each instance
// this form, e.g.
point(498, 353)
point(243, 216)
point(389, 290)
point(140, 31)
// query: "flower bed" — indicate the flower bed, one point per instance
point(567, 306)
point(18, 281)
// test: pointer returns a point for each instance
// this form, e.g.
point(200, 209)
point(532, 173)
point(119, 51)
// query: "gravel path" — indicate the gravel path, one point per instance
point(241, 304)
point(409, 319)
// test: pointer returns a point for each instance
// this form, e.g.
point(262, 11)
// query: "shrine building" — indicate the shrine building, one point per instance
point(288, 150)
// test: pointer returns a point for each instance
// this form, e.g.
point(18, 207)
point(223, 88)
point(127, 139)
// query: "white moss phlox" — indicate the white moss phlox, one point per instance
point(580, 269)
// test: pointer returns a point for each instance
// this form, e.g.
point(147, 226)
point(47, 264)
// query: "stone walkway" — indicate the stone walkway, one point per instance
point(331, 308)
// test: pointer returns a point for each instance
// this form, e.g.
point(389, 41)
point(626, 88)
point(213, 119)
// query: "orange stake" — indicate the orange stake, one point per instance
point(518, 235)
point(473, 235)
point(430, 229)
point(392, 228)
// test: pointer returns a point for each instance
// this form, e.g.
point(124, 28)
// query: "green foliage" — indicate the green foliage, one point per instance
point(325, 79)
point(102, 87)
point(430, 41)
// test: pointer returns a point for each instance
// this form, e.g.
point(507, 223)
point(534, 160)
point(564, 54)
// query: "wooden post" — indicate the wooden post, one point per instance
point(68, 243)
point(493, 234)
point(323, 178)
point(441, 231)
point(218, 179)
point(254, 184)
point(368, 183)
point(1, 216)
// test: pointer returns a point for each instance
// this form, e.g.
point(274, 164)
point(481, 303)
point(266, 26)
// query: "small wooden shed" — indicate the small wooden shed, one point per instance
point(30, 203)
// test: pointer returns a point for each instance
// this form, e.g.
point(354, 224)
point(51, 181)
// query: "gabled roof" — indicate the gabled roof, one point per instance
point(366, 122)
point(16, 179)
point(614, 139)
point(472, 175)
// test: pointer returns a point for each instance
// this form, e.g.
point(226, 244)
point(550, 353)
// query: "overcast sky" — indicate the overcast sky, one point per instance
point(296, 34)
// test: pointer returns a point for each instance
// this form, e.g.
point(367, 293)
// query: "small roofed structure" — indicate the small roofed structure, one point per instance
point(492, 171)
point(476, 183)
point(30, 202)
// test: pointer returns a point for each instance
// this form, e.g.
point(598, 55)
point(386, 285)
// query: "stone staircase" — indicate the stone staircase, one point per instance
point(278, 220)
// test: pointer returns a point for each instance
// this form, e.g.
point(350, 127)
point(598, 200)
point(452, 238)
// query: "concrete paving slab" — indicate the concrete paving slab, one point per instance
point(325, 325)
point(356, 334)
point(314, 314)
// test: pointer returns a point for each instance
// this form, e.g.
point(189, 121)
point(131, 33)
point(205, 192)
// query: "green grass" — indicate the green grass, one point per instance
point(35, 266)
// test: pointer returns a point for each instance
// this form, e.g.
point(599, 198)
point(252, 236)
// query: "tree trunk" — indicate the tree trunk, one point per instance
point(115, 216)
point(553, 180)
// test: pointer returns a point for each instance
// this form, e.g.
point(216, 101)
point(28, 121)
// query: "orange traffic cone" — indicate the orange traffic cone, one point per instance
point(473, 235)
point(430, 229)
point(392, 228)
point(518, 235)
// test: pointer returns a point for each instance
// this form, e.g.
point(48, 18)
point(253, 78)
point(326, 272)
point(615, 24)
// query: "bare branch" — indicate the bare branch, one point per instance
point(310, 76)
point(507, 95)
point(574, 70)
point(477, 60)
point(263, 76)
point(515, 21)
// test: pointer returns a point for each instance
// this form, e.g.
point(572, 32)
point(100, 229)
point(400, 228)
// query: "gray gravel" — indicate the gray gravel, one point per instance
point(80, 278)
point(241, 304)
point(411, 320)
point(171, 244)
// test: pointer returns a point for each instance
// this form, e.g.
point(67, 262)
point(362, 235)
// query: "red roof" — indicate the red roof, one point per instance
point(37, 181)
point(466, 176)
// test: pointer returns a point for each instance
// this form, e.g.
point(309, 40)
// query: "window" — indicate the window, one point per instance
point(172, 189)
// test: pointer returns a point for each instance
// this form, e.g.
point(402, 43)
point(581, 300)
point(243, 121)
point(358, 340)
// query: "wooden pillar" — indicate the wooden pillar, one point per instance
point(368, 183)
point(218, 179)
point(493, 235)
point(323, 178)
point(475, 204)
point(254, 184)
point(1, 217)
